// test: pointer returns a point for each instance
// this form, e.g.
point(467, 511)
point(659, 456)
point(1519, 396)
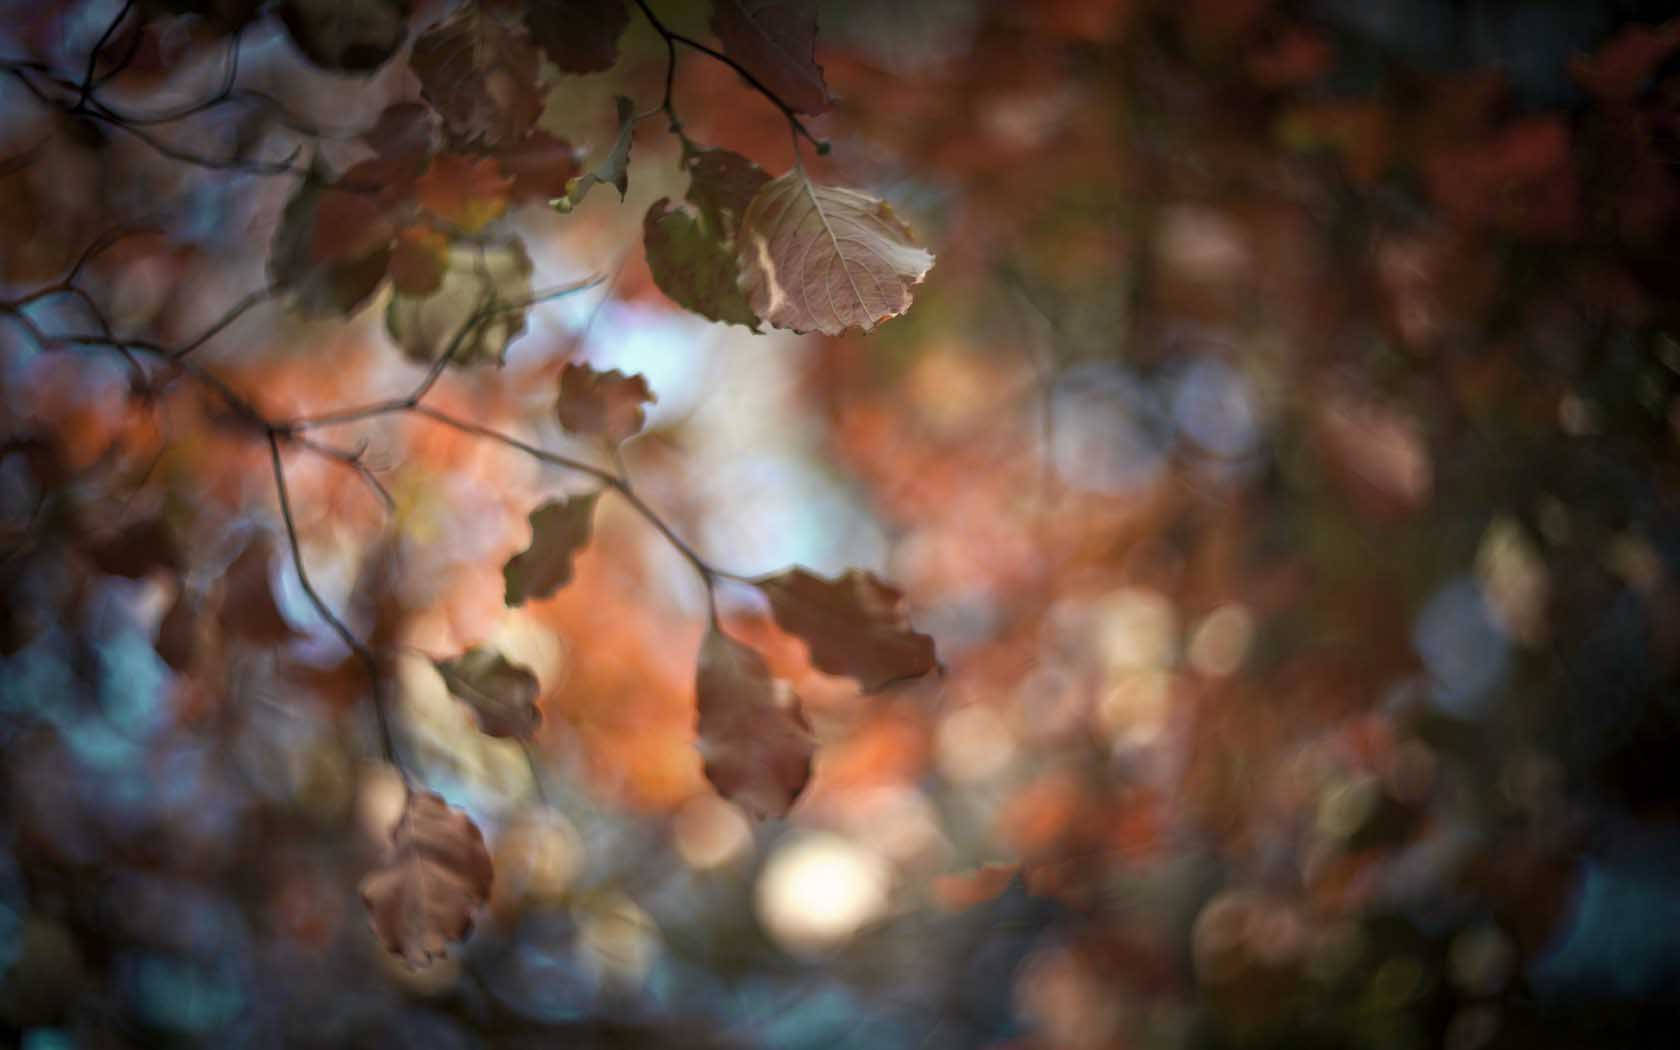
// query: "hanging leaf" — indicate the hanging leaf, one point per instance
point(776, 40)
point(559, 529)
point(418, 261)
point(579, 36)
point(438, 875)
point(753, 738)
point(404, 130)
point(477, 310)
point(614, 167)
point(481, 75)
point(691, 248)
point(466, 192)
point(855, 625)
point(346, 36)
point(602, 404)
point(826, 259)
point(319, 288)
point(502, 693)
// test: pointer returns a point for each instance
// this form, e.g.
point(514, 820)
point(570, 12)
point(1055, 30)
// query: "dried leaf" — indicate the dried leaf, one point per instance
point(317, 288)
point(578, 36)
point(502, 693)
point(757, 751)
point(614, 167)
point(481, 75)
point(404, 130)
point(602, 404)
point(137, 549)
point(825, 258)
point(855, 625)
point(540, 165)
point(346, 36)
point(559, 529)
point(472, 315)
point(776, 40)
point(467, 192)
point(439, 874)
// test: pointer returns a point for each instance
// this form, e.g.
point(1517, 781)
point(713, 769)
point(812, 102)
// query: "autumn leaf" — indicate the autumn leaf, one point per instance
point(753, 738)
point(776, 40)
point(691, 248)
point(418, 261)
point(481, 74)
point(540, 165)
point(467, 192)
point(502, 693)
point(248, 608)
point(403, 130)
point(614, 167)
point(318, 288)
point(601, 404)
point(349, 226)
point(823, 258)
point(137, 549)
point(476, 311)
point(346, 36)
point(559, 529)
point(1620, 69)
point(438, 875)
point(855, 625)
point(578, 36)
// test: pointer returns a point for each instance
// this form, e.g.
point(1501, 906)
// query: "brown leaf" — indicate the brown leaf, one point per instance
point(248, 608)
point(601, 404)
point(346, 36)
point(468, 192)
point(481, 75)
point(540, 165)
point(349, 226)
point(418, 261)
point(854, 625)
point(776, 40)
point(502, 693)
point(137, 549)
point(404, 130)
point(1620, 69)
point(826, 259)
point(579, 36)
point(559, 529)
point(757, 752)
point(319, 288)
point(437, 877)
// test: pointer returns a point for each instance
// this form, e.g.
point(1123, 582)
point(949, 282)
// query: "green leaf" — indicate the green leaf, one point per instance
point(502, 693)
point(691, 248)
point(824, 258)
point(614, 167)
point(753, 738)
point(855, 625)
point(559, 529)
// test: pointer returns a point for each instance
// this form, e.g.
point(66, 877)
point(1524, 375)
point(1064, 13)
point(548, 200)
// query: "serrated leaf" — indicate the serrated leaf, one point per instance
point(559, 529)
point(776, 40)
point(502, 693)
point(467, 192)
point(601, 404)
point(753, 739)
point(825, 258)
point(439, 873)
point(614, 168)
point(346, 36)
point(855, 625)
point(477, 310)
point(578, 36)
point(481, 75)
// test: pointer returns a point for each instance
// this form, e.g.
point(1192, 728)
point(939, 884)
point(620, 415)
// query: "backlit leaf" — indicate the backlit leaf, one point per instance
point(438, 875)
point(481, 74)
point(601, 404)
point(502, 693)
point(467, 192)
point(691, 248)
point(753, 738)
point(559, 529)
point(540, 165)
point(613, 169)
point(319, 288)
point(855, 625)
point(823, 258)
point(418, 261)
point(776, 40)
point(578, 36)
point(477, 310)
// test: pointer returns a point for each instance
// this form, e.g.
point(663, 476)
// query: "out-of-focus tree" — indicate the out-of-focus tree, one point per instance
point(452, 478)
